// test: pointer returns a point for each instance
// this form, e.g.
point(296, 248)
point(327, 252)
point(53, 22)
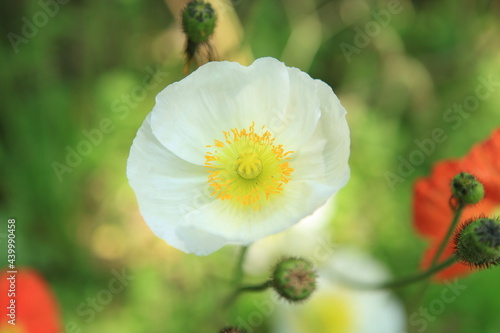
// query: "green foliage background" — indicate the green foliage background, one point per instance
point(76, 69)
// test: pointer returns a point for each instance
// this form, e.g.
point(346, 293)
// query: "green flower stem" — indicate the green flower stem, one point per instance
point(458, 213)
point(405, 281)
point(442, 246)
point(419, 277)
point(238, 273)
point(252, 288)
point(238, 276)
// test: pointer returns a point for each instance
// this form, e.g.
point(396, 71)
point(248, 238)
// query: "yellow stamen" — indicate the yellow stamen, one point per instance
point(248, 168)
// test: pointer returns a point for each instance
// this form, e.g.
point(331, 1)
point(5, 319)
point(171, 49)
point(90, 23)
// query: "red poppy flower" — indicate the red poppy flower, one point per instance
point(35, 309)
point(432, 214)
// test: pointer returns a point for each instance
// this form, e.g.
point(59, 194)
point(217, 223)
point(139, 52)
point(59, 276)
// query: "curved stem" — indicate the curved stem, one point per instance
point(422, 276)
point(442, 246)
point(252, 288)
point(408, 280)
point(456, 218)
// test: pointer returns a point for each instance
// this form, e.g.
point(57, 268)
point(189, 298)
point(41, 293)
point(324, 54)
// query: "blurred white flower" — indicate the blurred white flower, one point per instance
point(309, 239)
point(231, 154)
point(333, 308)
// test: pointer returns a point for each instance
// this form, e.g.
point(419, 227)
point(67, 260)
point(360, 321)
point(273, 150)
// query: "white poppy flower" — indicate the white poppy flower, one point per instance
point(231, 154)
point(333, 308)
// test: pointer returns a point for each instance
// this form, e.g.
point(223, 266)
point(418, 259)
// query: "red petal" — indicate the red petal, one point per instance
point(484, 162)
point(36, 308)
point(431, 211)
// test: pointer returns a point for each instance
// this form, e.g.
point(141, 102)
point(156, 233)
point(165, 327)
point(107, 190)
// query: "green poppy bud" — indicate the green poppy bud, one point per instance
point(198, 21)
point(467, 189)
point(477, 243)
point(294, 279)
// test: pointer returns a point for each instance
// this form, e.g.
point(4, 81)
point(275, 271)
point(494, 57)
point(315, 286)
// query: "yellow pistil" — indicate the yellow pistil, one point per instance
point(248, 168)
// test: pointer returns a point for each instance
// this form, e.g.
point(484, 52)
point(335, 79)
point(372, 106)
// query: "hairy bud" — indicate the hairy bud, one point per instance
point(198, 21)
point(294, 279)
point(477, 243)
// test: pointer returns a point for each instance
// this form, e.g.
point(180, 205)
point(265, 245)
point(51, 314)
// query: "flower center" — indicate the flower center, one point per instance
point(248, 168)
point(331, 311)
point(249, 165)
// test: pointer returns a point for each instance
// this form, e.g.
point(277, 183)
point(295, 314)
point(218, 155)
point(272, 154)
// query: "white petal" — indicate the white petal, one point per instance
point(300, 199)
point(354, 265)
point(199, 242)
point(219, 96)
point(166, 186)
point(380, 312)
point(324, 157)
point(295, 124)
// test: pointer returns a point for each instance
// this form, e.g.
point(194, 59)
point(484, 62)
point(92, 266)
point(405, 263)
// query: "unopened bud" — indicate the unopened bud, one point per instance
point(467, 189)
point(294, 279)
point(198, 21)
point(477, 243)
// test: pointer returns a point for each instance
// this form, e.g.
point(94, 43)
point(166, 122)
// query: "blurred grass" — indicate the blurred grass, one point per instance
point(66, 78)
